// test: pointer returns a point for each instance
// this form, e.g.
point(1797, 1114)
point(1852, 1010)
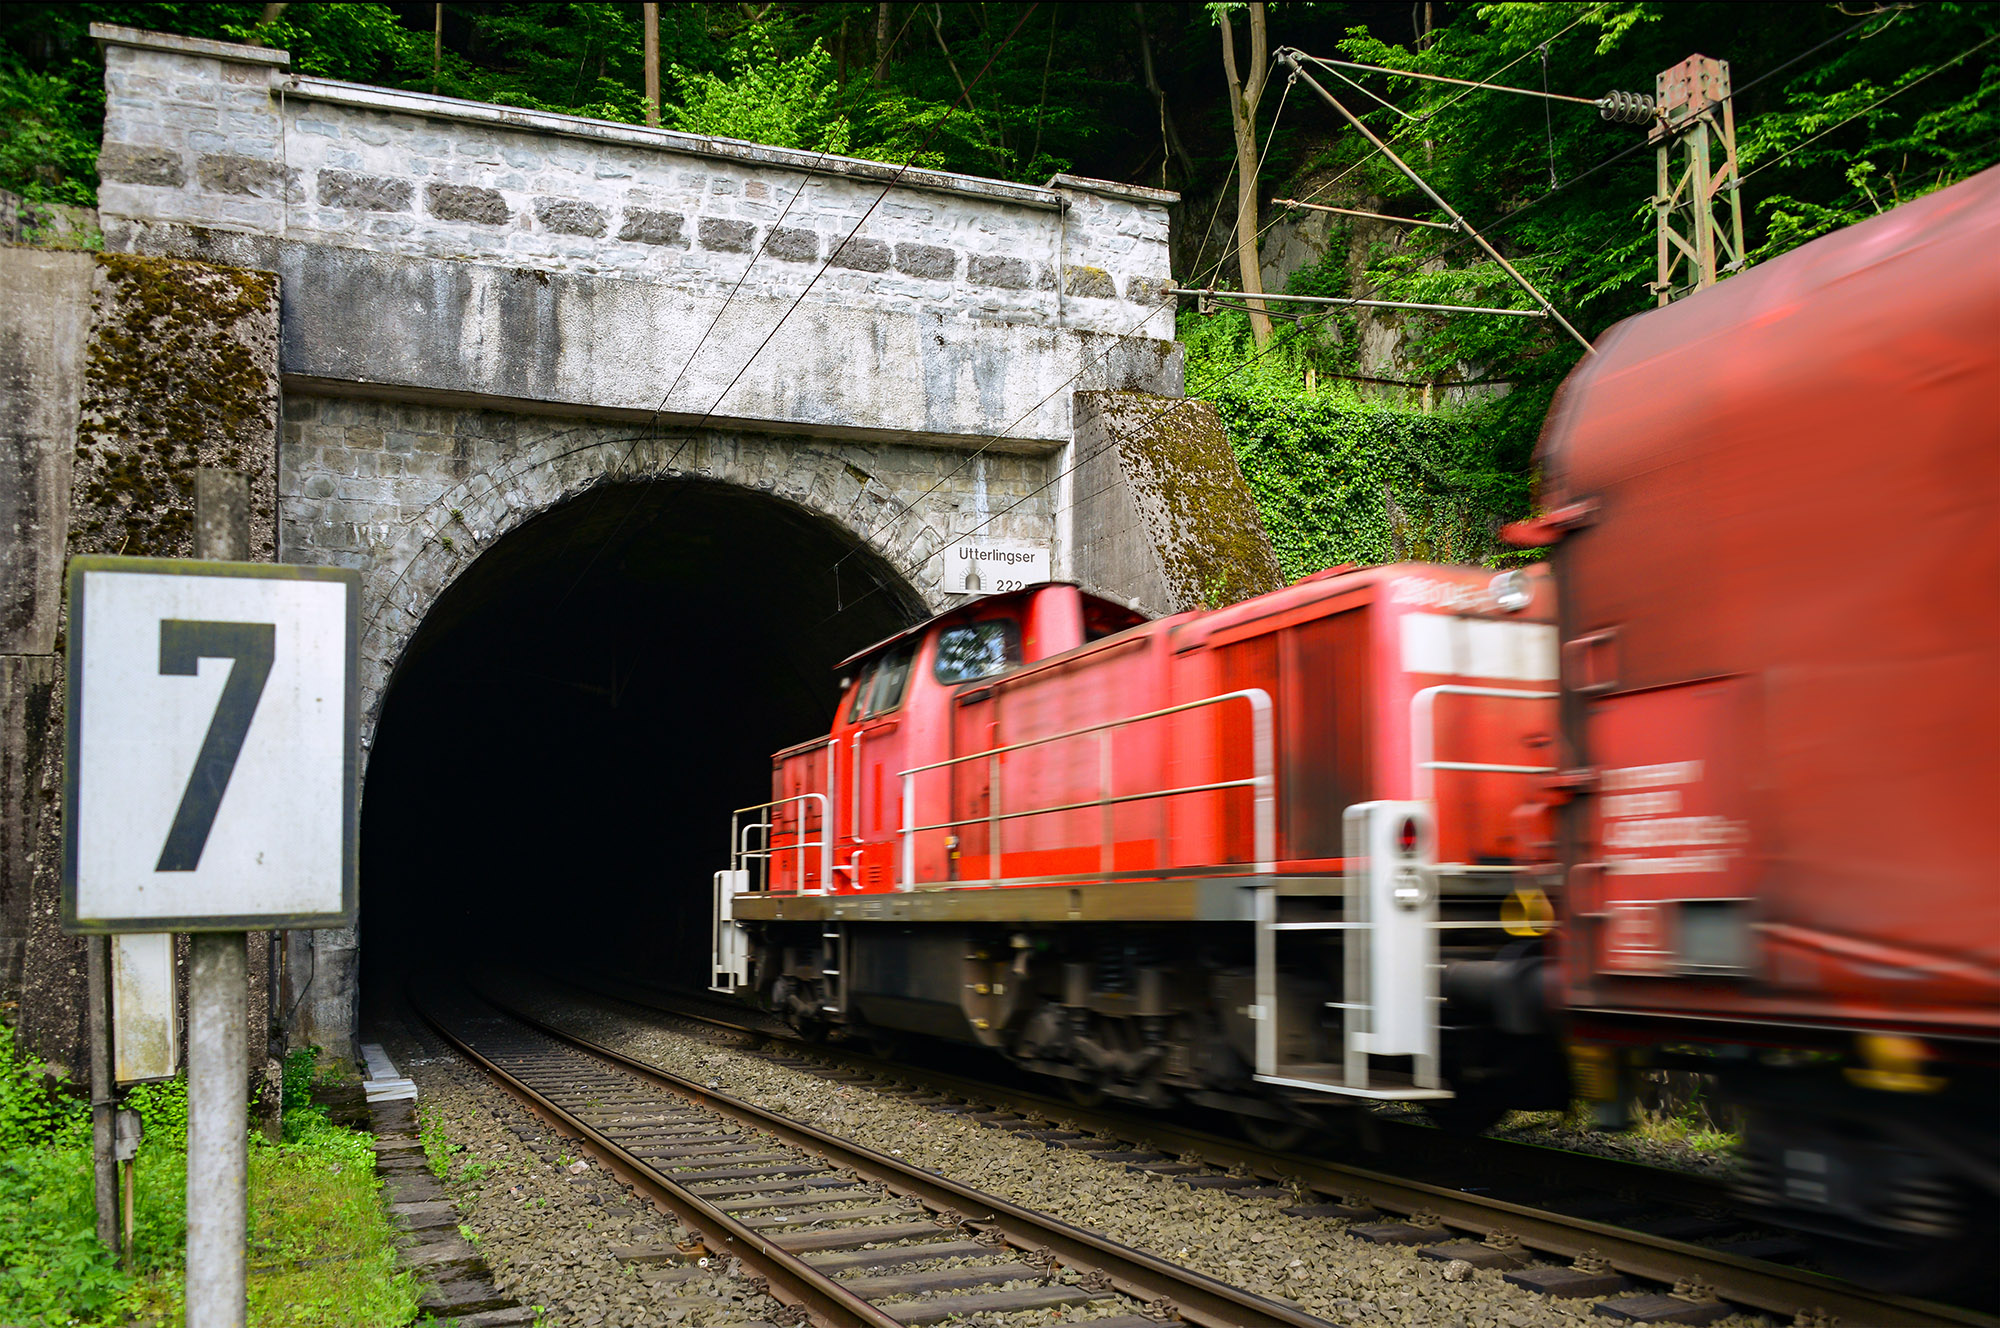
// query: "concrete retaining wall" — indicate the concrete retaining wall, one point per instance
point(124, 375)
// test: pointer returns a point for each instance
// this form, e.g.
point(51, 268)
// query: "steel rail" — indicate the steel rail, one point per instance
point(1197, 1298)
point(1765, 1286)
point(790, 1278)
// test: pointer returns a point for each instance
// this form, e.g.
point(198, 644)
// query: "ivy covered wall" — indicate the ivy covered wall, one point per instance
point(1341, 476)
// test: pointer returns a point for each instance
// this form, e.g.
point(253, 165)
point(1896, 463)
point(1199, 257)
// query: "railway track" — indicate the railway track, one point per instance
point(848, 1235)
point(1606, 1252)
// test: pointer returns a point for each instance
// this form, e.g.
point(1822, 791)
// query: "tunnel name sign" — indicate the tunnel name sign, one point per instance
point(209, 783)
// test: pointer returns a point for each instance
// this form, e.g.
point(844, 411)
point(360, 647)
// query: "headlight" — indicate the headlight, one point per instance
point(1511, 591)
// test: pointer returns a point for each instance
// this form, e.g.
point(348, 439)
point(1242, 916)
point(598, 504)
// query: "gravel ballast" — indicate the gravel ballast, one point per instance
point(1247, 1242)
point(551, 1225)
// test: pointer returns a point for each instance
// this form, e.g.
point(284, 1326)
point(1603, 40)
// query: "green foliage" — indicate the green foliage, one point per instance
point(163, 1112)
point(301, 1071)
point(439, 1150)
point(1021, 91)
point(321, 1250)
point(31, 1110)
point(1534, 176)
point(57, 1273)
point(796, 75)
point(48, 148)
point(767, 99)
point(1338, 477)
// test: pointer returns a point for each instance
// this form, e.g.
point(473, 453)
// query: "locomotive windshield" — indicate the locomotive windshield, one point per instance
point(977, 650)
point(890, 677)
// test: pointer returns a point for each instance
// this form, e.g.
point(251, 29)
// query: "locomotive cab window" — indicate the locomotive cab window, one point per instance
point(977, 650)
point(892, 674)
point(858, 705)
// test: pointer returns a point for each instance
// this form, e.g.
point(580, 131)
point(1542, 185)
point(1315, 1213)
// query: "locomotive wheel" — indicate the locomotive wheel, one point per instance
point(1465, 1116)
point(1083, 1094)
point(1278, 1136)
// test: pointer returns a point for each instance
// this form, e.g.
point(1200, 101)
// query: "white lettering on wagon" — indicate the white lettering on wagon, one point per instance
point(1453, 647)
point(1430, 594)
point(1642, 830)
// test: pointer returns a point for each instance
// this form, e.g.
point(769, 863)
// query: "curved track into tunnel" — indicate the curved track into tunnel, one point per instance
point(564, 739)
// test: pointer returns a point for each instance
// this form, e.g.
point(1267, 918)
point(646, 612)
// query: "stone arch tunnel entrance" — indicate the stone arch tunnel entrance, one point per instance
point(565, 737)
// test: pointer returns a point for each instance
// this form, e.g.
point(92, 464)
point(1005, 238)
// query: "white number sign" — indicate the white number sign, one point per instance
point(209, 784)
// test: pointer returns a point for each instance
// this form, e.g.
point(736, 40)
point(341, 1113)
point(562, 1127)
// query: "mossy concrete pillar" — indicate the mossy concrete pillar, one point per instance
point(1161, 511)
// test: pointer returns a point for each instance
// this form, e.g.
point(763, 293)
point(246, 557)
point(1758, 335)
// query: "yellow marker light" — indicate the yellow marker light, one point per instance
point(1527, 912)
point(1594, 1071)
point(1895, 1064)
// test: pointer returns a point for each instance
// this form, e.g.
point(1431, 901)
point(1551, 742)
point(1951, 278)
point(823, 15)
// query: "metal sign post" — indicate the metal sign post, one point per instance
point(209, 787)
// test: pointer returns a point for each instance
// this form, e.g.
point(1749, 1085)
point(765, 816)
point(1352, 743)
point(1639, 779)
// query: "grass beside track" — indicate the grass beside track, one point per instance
point(321, 1250)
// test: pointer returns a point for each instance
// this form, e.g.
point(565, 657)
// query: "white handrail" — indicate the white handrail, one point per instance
point(740, 851)
point(1423, 736)
point(1263, 781)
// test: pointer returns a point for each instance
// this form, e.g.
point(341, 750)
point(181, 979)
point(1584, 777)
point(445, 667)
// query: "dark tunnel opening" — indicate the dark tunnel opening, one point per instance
point(566, 735)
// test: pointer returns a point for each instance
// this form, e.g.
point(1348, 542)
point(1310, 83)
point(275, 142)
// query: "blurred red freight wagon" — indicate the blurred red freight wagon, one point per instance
point(1775, 510)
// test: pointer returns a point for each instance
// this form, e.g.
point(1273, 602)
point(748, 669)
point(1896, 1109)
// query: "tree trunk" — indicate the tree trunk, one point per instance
point(652, 17)
point(1244, 94)
point(882, 41)
point(1170, 139)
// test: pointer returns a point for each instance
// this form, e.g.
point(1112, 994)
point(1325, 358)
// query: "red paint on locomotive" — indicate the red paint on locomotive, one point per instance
point(1364, 678)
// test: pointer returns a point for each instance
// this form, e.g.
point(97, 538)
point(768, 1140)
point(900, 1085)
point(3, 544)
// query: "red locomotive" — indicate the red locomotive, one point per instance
point(1775, 510)
point(1353, 840)
point(1225, 856)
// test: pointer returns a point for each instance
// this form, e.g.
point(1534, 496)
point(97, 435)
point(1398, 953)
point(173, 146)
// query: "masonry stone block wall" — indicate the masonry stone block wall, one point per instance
point(410, 494)
point(632, 267)
point(487, 311)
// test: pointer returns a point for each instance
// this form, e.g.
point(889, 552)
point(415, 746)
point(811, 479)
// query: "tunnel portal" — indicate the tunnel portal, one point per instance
point(566, 735)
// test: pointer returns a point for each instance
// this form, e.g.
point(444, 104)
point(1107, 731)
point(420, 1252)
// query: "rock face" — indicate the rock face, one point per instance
point(1298, 240)
point(180, 373)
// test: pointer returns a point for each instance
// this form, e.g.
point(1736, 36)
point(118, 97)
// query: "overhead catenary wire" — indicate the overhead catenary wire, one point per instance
point(987, 446)
point(1237, 299)
point(1358, 212)
point(965, 98)
point(1425, 117)
point(1335, 66)
point(1262, 157)
point(1962, 55)
point(1180, 403)
point(1501, 220)
point(1643, 145)
point(1213, 270)
point(1290, 58)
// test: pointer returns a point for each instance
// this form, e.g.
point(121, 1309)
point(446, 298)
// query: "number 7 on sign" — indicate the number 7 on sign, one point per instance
point(250, 647)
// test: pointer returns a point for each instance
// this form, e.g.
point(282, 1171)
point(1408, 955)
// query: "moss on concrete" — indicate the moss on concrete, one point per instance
point(180, 372)
point(1184, 476)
